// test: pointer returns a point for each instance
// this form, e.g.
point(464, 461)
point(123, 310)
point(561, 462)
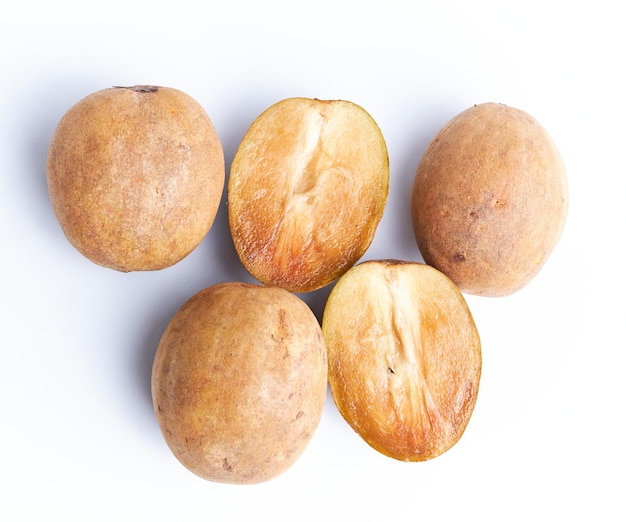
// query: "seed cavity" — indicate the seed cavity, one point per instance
point(312, 162)
point(307, 173)
point(309, 158)
point(407, 362)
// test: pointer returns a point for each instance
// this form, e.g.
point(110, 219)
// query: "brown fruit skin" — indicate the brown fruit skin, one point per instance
point(489, 199)
point(307, 189)
point(239, 382)
point(135, 176)
point(404, 365)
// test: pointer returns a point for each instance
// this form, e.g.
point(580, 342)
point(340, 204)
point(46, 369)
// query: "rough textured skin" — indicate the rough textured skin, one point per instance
point(135, 176)
point(239, 382)
point(405, 364)
point(489, 199)
point(307, 189)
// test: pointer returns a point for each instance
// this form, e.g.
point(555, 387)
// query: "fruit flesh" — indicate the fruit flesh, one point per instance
point(404, 365)
point(307, 189)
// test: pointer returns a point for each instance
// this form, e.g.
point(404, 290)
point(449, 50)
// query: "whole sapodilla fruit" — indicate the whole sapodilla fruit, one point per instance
point(135, 176)
point(239, 382)
point(489, 199)
point(307, 189)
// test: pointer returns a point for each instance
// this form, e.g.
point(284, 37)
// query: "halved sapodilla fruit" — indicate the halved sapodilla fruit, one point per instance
point(405, 364)
point(307, 189)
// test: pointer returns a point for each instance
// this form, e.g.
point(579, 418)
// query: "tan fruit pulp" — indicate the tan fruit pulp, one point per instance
point(307, 189)
point(404, 365)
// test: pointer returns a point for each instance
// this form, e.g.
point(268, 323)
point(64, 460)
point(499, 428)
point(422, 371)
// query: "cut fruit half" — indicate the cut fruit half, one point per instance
point(307, 189)
point(404, 357)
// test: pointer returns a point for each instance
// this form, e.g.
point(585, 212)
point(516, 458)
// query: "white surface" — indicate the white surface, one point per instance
point(78, 437)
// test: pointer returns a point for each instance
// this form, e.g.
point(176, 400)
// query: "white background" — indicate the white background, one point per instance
point(78, 437)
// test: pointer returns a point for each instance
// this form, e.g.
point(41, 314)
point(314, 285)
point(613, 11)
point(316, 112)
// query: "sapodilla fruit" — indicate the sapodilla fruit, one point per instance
point(135, 176)
point(307, 189)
